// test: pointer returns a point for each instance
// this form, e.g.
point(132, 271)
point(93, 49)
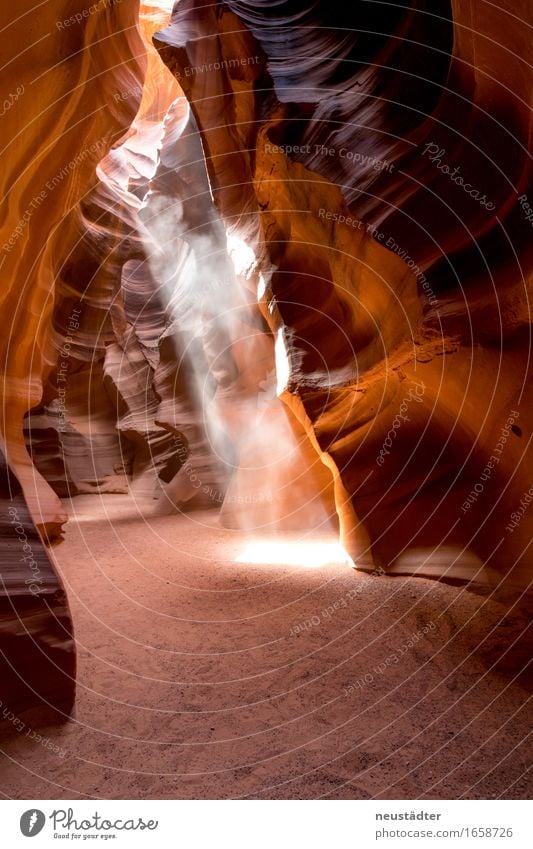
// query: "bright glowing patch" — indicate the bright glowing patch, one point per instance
point(165, 5)
point(241, 254)
point(308, 554)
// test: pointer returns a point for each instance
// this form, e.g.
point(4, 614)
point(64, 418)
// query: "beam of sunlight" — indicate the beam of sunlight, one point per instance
point(161, 5)
point(283, 369)
point(310, 555)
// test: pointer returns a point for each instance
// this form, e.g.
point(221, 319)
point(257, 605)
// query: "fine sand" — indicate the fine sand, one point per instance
point(200, 676)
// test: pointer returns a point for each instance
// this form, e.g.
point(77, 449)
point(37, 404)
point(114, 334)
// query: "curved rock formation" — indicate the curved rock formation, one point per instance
point(61, 121)
point(337, 213)
point(383, 186)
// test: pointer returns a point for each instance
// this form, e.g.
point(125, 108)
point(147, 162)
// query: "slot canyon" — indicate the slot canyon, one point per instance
point(266, 412)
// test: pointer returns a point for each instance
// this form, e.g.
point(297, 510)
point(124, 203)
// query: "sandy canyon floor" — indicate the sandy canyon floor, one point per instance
point(201, 676)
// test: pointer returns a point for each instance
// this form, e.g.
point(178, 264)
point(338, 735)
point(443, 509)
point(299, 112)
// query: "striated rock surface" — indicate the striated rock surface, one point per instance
point(62, 119)
point(325, 205)
point(37, 655)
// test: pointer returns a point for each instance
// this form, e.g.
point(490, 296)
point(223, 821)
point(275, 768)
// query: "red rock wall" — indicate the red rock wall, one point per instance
point(369, 167)
point(381, 185)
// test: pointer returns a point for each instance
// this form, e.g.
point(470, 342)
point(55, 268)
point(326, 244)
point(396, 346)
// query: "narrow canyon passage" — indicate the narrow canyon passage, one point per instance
point(202, 676)
point(265, 377)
